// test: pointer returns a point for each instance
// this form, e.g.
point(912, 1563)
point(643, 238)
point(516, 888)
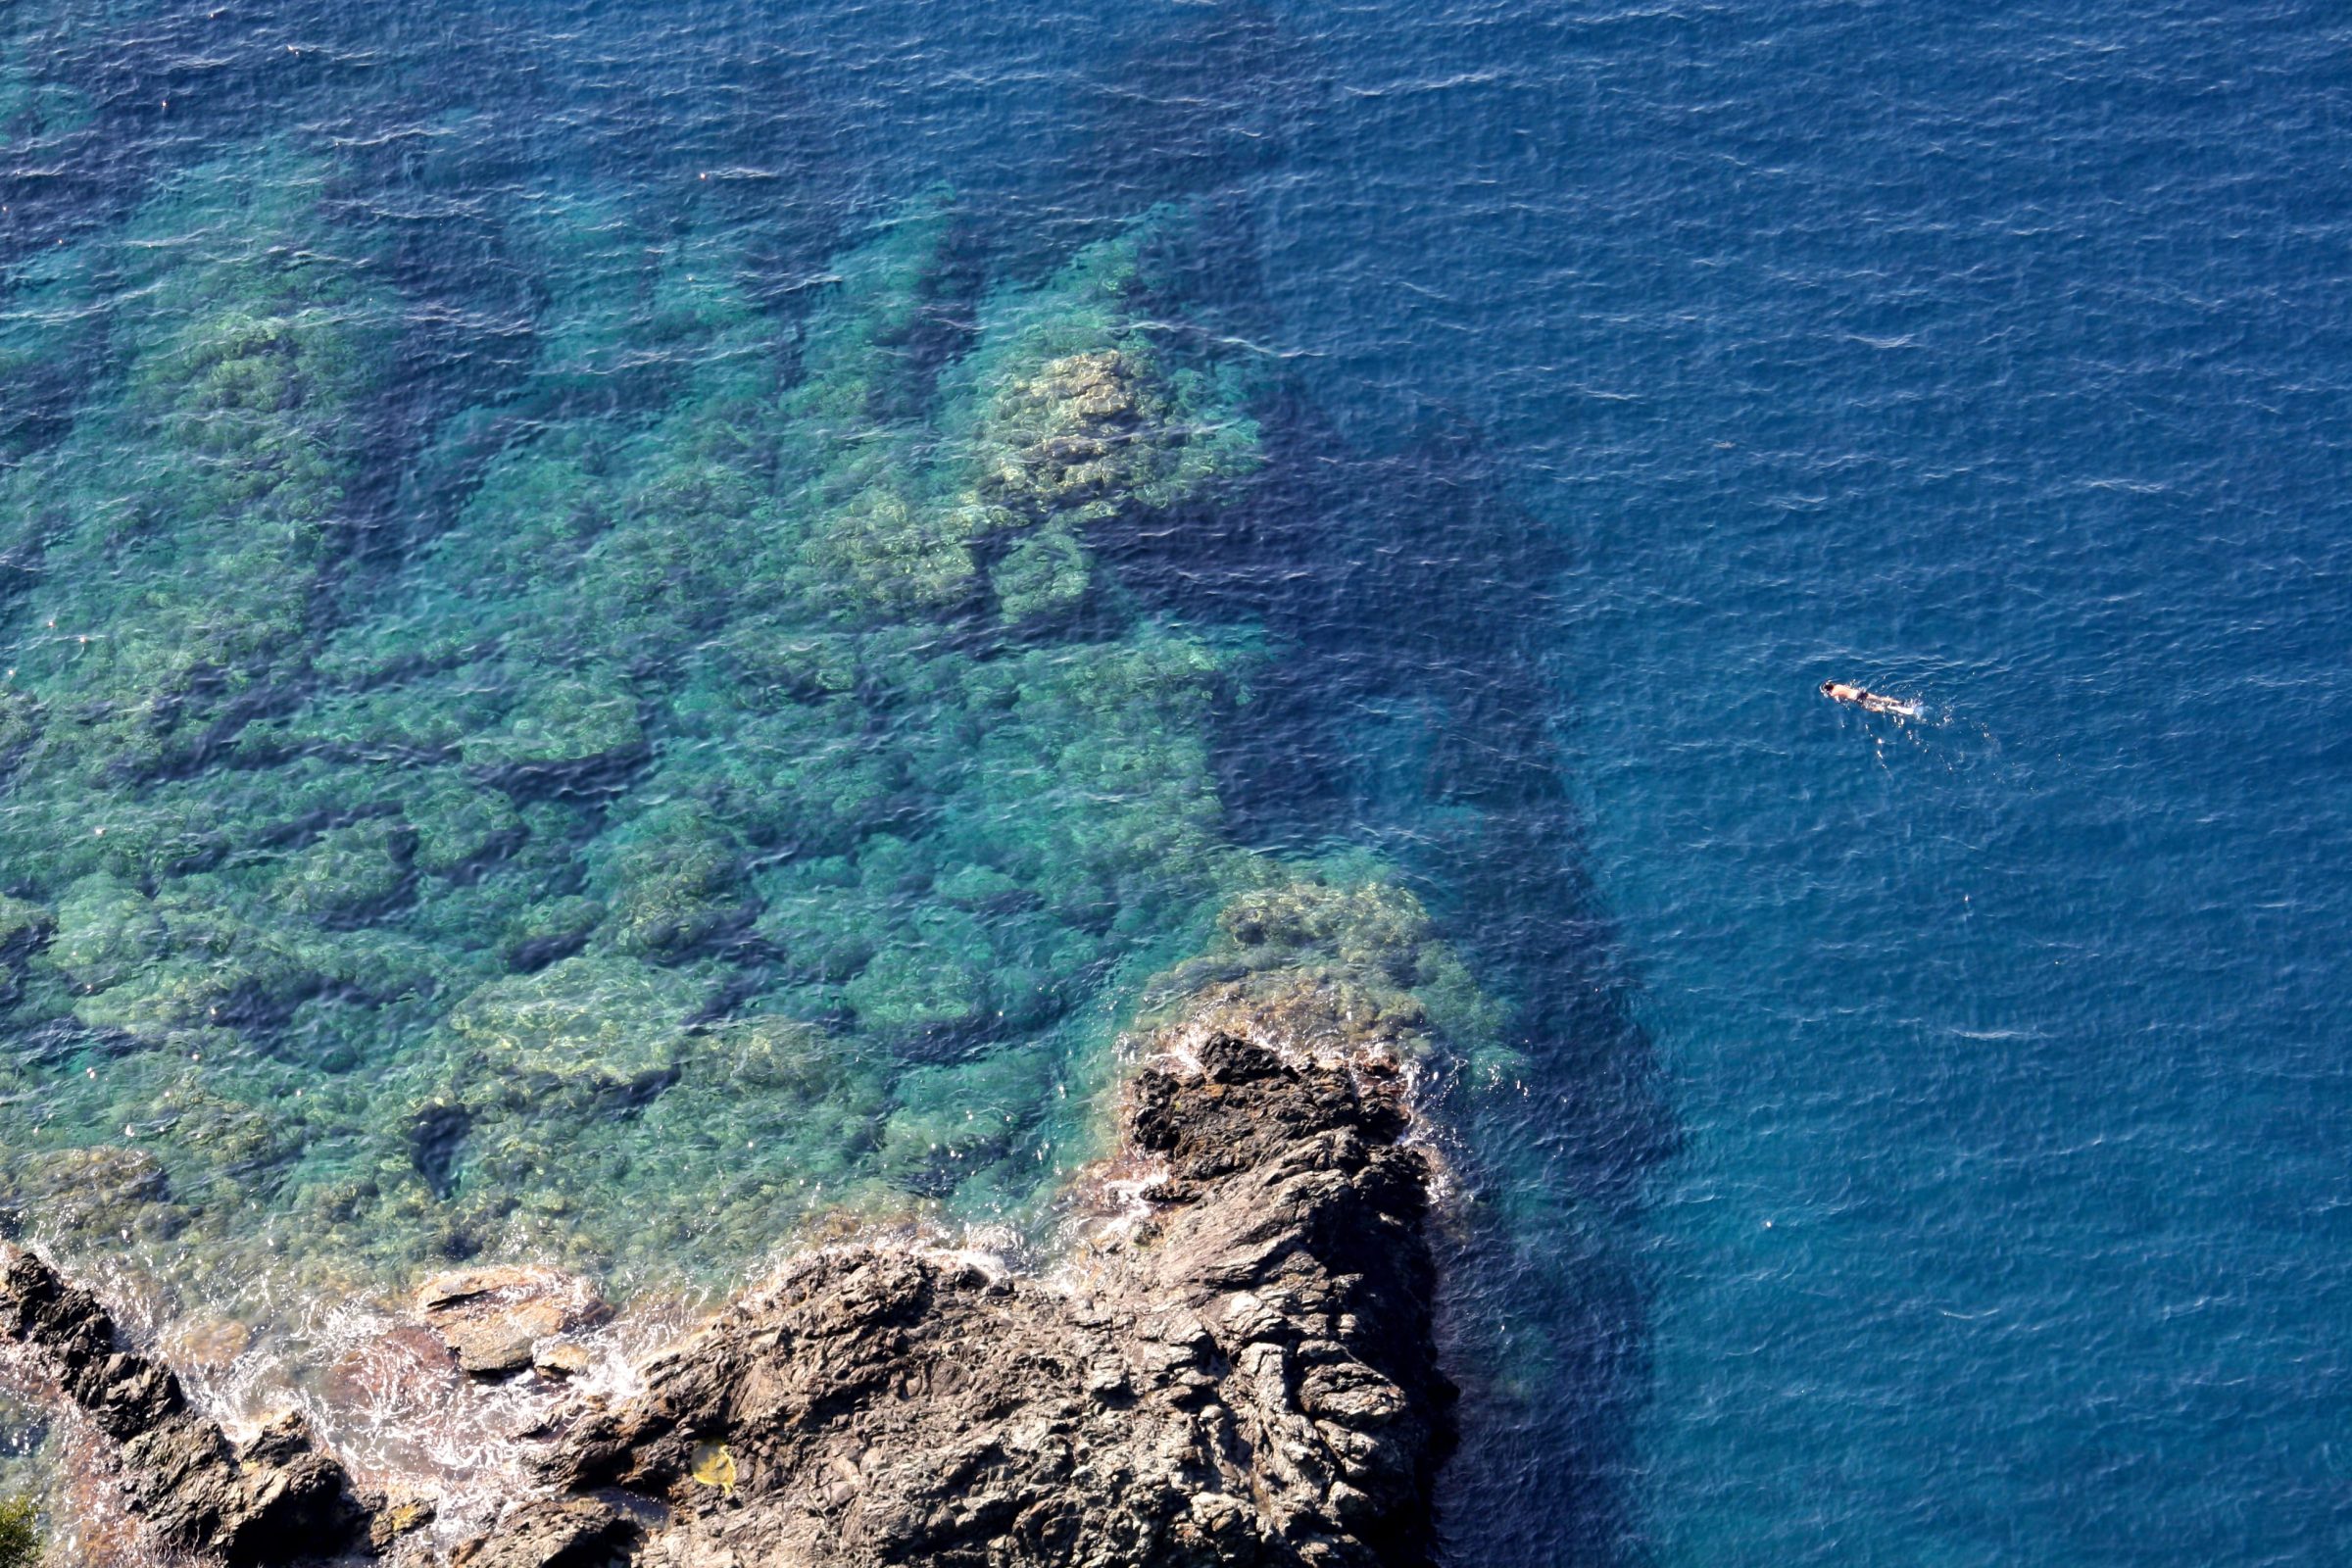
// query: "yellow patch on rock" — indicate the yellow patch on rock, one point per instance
point(715, 1466)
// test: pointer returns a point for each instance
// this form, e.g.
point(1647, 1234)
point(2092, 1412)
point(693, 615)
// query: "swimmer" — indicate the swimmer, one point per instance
point(1837, 690)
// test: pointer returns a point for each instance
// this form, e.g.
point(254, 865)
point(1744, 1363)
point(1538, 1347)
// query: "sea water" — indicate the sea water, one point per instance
point(1903, 1141)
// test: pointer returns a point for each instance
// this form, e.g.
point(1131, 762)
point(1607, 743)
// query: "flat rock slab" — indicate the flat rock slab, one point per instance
point(493, 1319)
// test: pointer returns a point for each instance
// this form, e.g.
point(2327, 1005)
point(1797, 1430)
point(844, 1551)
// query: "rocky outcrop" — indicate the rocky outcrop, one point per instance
point(272, 1500)
point(1234, 1365)
point(1237, 1369)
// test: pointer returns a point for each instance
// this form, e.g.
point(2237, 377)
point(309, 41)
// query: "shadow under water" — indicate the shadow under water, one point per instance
point(1413, 710)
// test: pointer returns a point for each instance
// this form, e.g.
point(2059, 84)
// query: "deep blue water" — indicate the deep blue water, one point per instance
point(1935, 1145)
point(1995, 357)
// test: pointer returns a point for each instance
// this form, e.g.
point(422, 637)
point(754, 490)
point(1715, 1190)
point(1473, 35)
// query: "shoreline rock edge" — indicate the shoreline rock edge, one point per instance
point(1235, 1364)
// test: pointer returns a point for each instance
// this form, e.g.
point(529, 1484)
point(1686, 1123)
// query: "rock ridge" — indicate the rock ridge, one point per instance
point(1235, 1366)
point(271, 1500)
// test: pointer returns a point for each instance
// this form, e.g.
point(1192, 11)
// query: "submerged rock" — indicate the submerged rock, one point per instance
point(1235, 1364)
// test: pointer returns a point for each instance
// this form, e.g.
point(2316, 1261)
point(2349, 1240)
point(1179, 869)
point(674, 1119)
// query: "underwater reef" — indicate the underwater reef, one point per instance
point(715, 778)
point(1235, 1364)
point(710, 796)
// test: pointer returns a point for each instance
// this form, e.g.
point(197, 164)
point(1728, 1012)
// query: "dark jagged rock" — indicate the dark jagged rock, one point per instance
point(1235, 1366)
point(272, 1501)
point(1239, 1369)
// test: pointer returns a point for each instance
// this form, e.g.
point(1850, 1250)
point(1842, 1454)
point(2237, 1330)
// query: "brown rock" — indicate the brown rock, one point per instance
point(561, 1358)
point(398, 1517)
point(1234, 1366)
point(490, 1318)
point(395, 1360)
point(555, 1534)
point(205, 1345)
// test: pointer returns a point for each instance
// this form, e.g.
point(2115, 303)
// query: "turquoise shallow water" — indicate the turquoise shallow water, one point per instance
point(1926, 1142)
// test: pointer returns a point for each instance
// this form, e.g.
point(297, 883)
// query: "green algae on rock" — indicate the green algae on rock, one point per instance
point(19, 1533)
